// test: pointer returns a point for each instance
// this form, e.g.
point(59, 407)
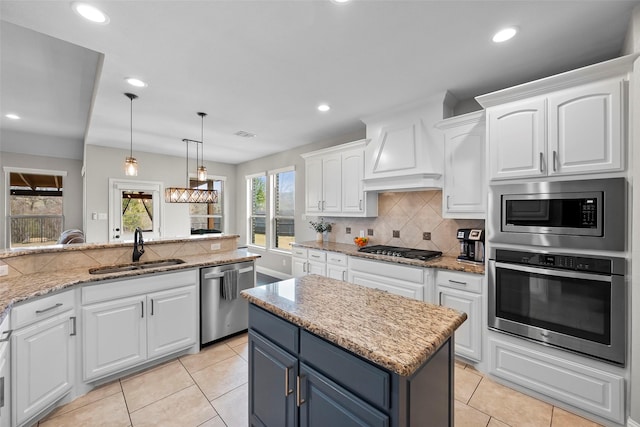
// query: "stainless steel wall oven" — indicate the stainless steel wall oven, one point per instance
point(565, 300)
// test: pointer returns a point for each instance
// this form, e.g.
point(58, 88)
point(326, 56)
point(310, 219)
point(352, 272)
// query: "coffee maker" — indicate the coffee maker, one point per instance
point(471, 244)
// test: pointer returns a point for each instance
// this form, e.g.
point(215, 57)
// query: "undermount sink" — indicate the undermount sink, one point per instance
point(135, 266)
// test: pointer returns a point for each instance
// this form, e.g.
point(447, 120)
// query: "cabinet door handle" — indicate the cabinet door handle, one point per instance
point(457, 282)
point(555, 159)
point(319, 205)
point(299, 399)
point(6, 338)
point(447, 204)
point(53, 307)
point(324, 204)
point(315, 256)
point(72, 319)
point(439, 298)
point(344, 273)
point(304, 267)
point(2, 392)
point(287, 390)
point(541, 162)
point(360, 204)
point(142, 308)
point(152, 306)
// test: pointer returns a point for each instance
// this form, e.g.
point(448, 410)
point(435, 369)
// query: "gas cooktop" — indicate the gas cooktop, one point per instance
point(397, 251)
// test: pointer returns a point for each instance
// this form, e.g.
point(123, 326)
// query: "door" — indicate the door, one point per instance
point(585, 128)
point(313, 185)
point(517, 139)
point(337, 272)
point(332, 183)
point(272, 383)
point(468, 336)
point(134, 204)
point(115, 336)
point(172, 321)
point(298, 266)
point(324, 403)
point(42, 356)
point(315, 267)
point(464, 183)
point(352, 175)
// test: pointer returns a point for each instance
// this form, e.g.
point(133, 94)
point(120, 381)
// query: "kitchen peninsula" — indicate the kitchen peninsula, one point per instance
point(341, 352)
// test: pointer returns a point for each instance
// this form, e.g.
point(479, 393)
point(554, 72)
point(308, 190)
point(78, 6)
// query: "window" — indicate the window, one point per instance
point(271, 210)
point(257, 191)
point(137, 211)
point(208, 217)
point(284, 186)
point(35, 207)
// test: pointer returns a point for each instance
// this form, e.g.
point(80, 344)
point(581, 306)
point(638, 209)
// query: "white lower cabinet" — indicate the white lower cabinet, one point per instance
point(308, 261)
point(463, 292)
point(42, 354)
point(129, 323)
point(337, 266)
point(394, 278)
point(5, 374)
point(586, 384)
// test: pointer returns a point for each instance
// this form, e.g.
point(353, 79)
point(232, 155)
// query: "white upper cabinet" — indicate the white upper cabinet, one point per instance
point(405, 151)
point(572, 123)
point(464, 192)
point(334, 182)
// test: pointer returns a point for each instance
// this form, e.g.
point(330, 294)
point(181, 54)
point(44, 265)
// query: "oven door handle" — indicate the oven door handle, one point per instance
point(556, 273)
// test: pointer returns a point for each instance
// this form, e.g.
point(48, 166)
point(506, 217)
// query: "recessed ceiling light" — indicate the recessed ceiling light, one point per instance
point(504, 34)
point(90, 13)
point(323, 107)
point(135, 82)
point(339, 1)
point(12, 116)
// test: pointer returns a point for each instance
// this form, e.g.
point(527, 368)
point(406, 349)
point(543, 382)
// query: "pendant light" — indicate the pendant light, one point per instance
point(130, 163)
point(202, 170)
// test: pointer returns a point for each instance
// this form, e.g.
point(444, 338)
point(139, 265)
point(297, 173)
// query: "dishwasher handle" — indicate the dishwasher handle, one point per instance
point(220, 274)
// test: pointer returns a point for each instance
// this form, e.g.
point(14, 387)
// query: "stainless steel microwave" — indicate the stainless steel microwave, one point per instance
point(583, 214)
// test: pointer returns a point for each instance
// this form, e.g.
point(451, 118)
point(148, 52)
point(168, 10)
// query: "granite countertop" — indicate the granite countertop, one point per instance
point(20, 288)
point(397, 333)
point(443, 262)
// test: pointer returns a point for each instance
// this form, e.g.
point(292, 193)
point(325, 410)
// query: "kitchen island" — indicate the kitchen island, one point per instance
point(327, 352)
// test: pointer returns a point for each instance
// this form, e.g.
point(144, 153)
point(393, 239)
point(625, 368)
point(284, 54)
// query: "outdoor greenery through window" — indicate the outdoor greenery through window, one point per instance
point(35, 209)
point(207, 217)
point(258, 210)
point(284, 185)
point(137, 211)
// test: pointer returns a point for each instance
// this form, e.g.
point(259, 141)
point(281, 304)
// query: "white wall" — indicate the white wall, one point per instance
point(104, 163)
point(72, 190)
point(279, 261)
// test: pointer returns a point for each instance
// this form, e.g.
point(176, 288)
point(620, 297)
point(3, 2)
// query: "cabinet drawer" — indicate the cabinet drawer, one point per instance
point(299, 252)
point(278, 330)
point(336, 259)
point(42, 308)
point(360, 377)
point(315, 255)
point(387, 269)
point(463, 281)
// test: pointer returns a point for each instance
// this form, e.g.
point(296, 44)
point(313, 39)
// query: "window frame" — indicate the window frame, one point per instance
point(249, 185)
point(272, 211)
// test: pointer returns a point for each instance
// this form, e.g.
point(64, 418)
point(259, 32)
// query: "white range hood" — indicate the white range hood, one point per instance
point(404, 151)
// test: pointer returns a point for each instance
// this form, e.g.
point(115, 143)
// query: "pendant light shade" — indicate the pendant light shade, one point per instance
point(130, 163)
point(202, 171)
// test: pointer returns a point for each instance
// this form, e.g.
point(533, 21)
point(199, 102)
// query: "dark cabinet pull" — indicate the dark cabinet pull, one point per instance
point(53, 307)
point(73, 322)
point(299, 400)
point(287, 390)
point(152, 306)
point(142, 308)
point(6, 338)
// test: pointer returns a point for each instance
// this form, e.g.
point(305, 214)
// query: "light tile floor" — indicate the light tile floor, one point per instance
point(209, 389)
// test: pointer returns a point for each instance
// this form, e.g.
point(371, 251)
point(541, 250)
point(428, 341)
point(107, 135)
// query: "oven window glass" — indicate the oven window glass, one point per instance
point(575, 307)
point(565, 213)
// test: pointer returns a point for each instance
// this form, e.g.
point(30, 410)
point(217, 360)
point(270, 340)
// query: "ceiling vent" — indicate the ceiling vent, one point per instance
point(244, 134)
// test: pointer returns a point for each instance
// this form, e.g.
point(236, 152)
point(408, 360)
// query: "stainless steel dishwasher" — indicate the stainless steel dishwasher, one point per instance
point(220, 316)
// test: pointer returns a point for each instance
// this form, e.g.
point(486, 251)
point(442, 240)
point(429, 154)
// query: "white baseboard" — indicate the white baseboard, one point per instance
point(631, 423)
point(280, 275)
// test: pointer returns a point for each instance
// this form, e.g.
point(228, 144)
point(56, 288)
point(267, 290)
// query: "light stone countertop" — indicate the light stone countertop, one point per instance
point(443, 262)
point(16, 289)
point(394, 332)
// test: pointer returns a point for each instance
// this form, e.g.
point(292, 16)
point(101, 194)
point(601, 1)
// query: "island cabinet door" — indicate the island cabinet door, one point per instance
point(272, 384)
point(324, 403)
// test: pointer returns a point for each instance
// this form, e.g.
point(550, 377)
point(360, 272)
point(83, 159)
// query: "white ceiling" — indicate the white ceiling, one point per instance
point(264, 66)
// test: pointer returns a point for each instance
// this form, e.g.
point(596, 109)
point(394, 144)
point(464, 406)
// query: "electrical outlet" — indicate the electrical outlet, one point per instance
point(396, 233)
point(369, 231)
point(426, 235)
point(215, 246)
point(4, 270)
point(348, 230)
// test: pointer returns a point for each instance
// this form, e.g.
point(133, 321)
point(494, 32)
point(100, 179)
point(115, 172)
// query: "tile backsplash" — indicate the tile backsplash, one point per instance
point(408, 215)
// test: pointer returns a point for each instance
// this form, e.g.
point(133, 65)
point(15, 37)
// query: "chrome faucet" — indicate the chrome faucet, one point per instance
point(138, 244)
